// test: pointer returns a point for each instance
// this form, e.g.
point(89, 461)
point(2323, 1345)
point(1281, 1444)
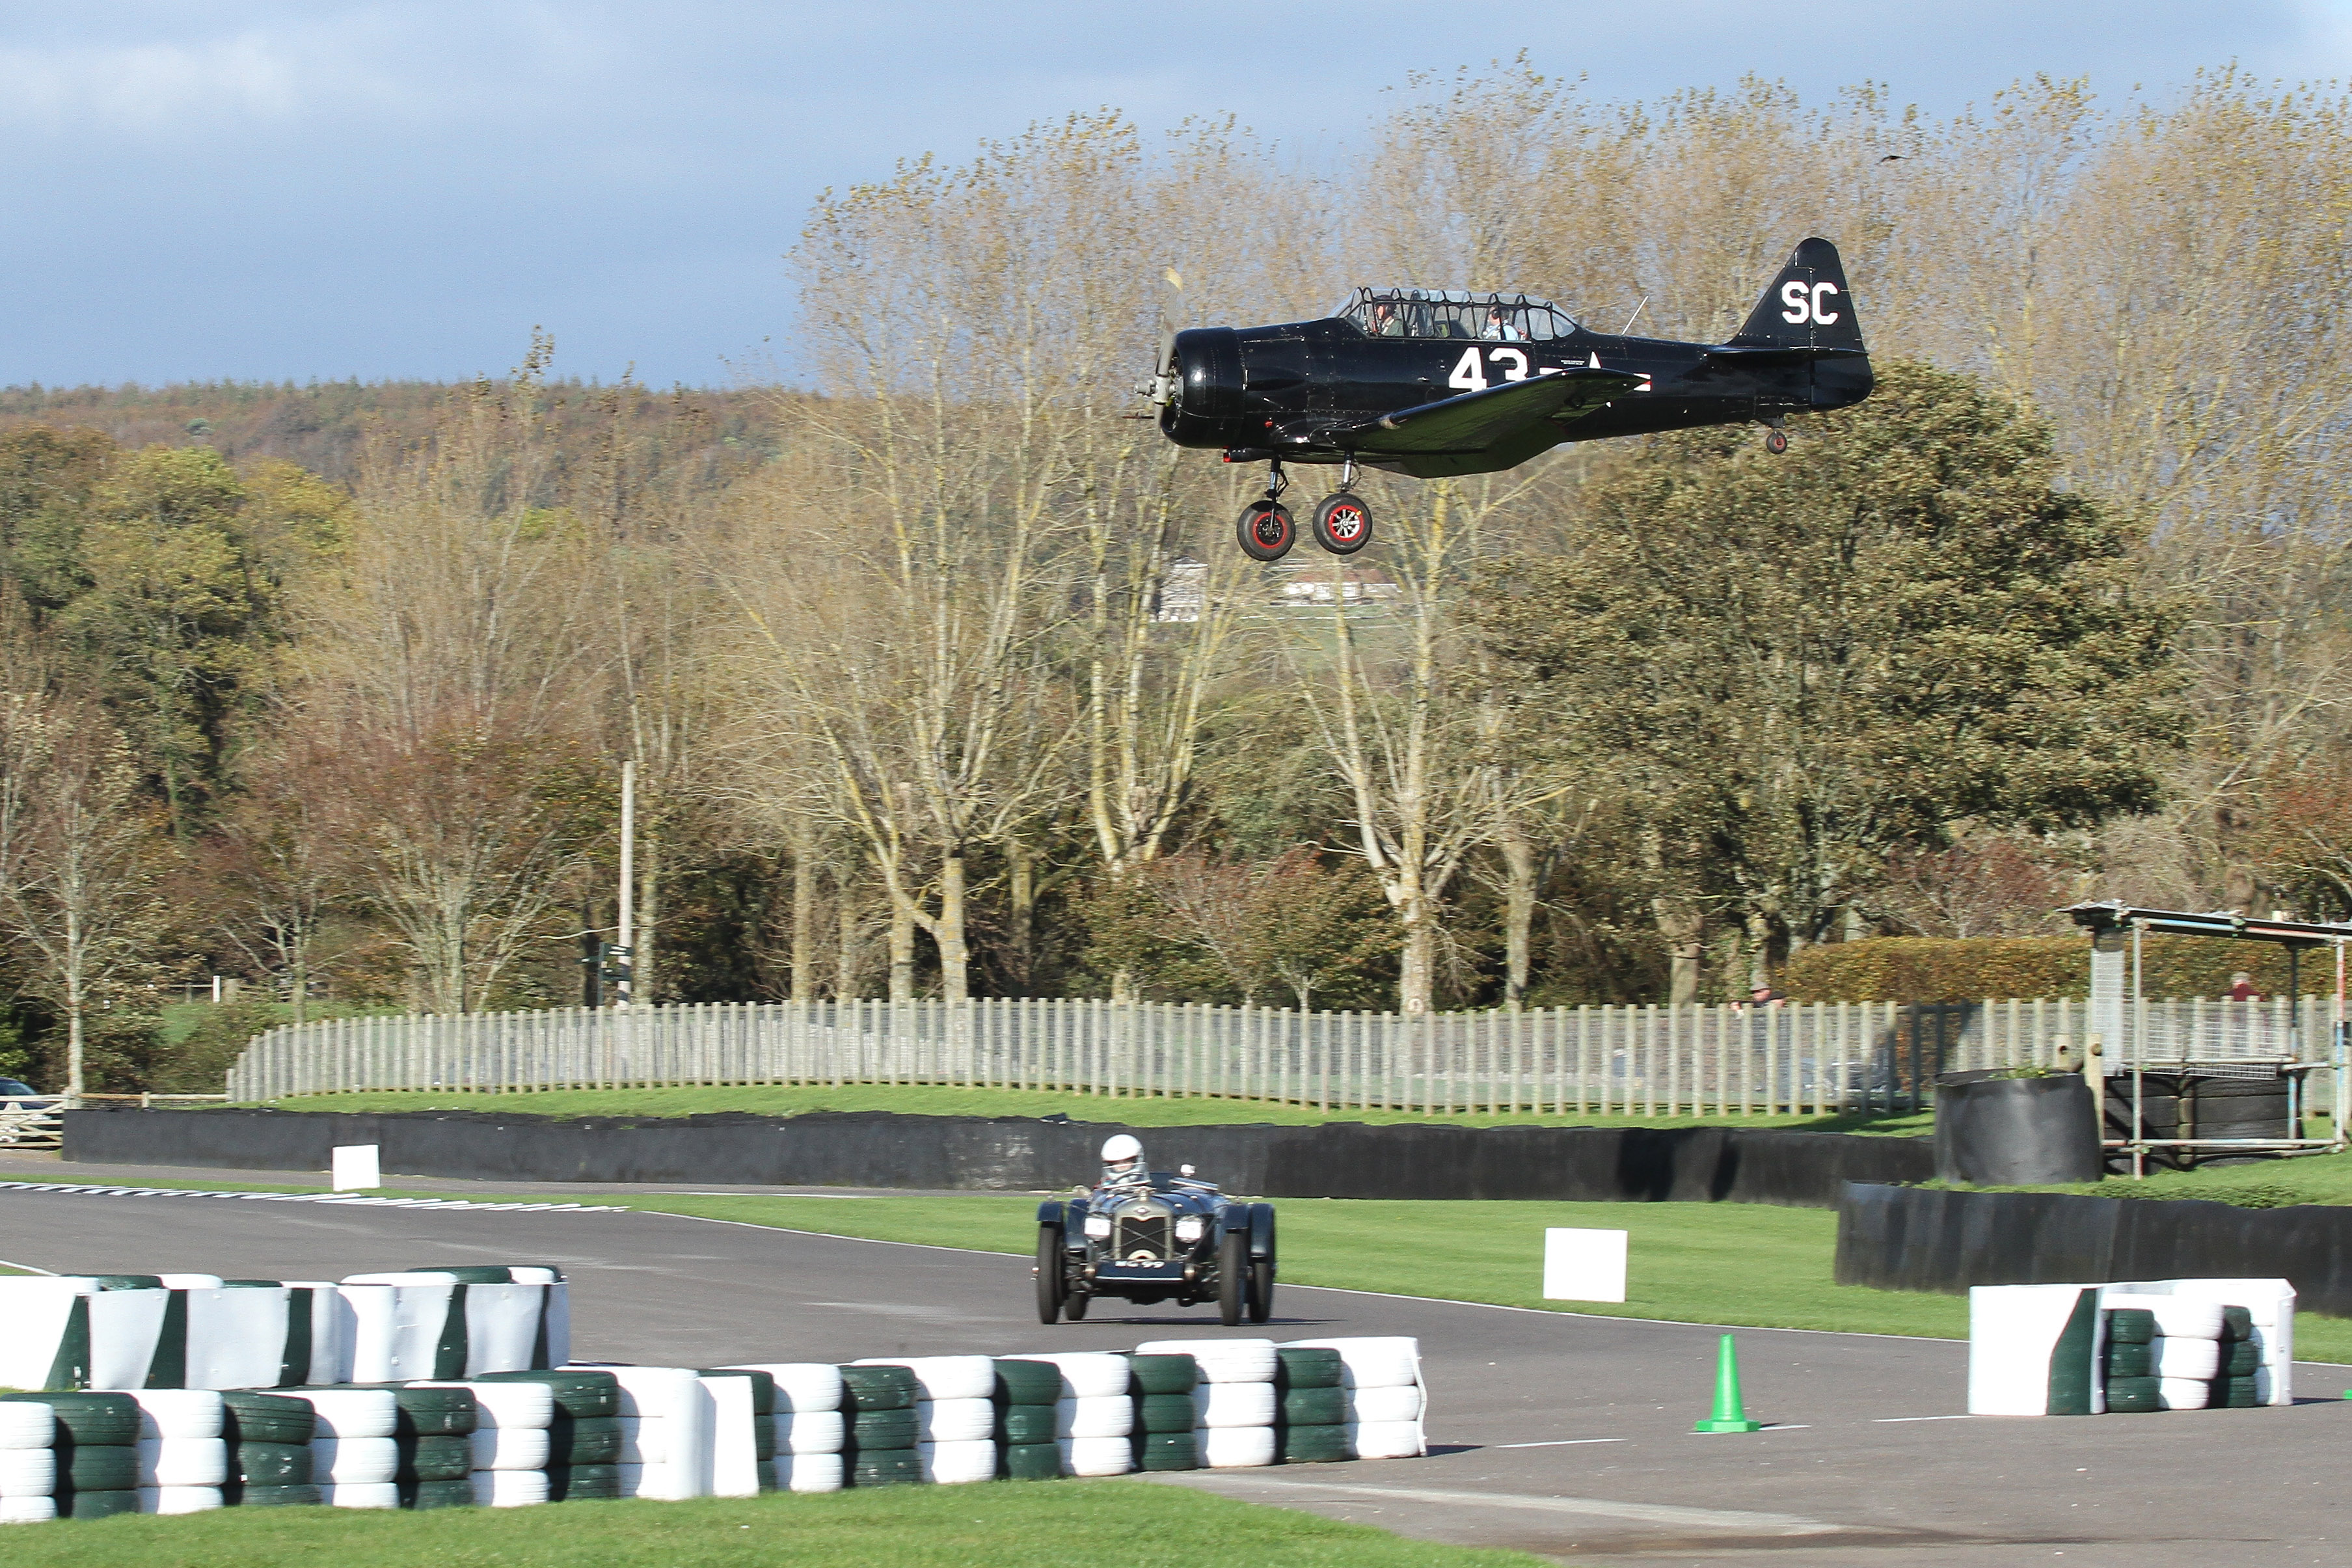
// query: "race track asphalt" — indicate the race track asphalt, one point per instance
point(1562, 1434)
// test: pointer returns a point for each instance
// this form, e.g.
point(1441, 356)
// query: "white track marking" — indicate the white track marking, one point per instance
point(1563, 1443)
point(1891, 1420)
point(1641, 1512)
point(345, 1198)
point(25, 1268)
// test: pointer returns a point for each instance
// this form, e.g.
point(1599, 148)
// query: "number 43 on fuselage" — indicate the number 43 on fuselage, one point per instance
point(1437, 383)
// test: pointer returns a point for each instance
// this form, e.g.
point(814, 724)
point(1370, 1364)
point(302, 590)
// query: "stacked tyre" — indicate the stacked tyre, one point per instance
point(28, 1460)
point(268, 1442)
point(2238, 1384)
point(1026, 1396)
point(583, 1429)
point(750, 1453)
point(354, 1445)
point(806, 1429)
point(955, 1416)
point(665, 1427)
point(878, 1439)
point(2163, 1353)
point(512, 1439)
point(433, 1435)
point(1310, 1421)
point(1234, 1404)
point(1094, 1416)
point(1162, 1386)
point(183, 1459)
point(1382, 1378)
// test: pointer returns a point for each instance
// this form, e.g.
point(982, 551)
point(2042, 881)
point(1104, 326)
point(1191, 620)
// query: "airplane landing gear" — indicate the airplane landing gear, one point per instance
point(1343, 523)
point(1265, 529)
point(1776, 440)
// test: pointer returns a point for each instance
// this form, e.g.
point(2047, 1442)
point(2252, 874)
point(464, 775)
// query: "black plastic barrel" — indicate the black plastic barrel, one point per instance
point(1994, 1131)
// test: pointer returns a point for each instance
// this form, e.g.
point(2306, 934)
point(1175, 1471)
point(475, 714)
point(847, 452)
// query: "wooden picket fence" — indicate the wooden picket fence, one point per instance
point(1818, 1059)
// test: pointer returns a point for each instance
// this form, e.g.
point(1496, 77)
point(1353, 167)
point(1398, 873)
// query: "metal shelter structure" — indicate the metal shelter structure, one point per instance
point(2117, 930)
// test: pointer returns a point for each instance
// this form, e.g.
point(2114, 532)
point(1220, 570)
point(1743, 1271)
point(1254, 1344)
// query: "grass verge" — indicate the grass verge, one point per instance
point(1038, 1524)
point(948, 1100)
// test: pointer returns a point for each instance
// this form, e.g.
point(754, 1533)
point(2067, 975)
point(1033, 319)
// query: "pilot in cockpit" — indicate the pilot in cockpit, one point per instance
point(1386, 323)
point(1500, 329)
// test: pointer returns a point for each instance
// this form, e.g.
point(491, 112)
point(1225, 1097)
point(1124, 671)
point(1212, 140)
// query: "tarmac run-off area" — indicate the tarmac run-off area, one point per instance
point(1561, 1434)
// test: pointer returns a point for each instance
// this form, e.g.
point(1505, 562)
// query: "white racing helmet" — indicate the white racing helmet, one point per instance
point(1122, 1158)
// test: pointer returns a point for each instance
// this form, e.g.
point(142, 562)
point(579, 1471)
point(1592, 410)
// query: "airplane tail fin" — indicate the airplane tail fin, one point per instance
point(1807, 306)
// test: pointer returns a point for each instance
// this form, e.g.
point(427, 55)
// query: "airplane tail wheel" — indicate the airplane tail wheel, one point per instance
point(1776, 441)
point(1343, 524)
point(1267, 530)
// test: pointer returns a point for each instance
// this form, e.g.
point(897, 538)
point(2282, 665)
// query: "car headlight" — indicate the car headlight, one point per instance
point(1099, 1227)
point(1188, 1229)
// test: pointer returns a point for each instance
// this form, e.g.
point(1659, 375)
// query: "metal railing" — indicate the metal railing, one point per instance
point(1818, 1058)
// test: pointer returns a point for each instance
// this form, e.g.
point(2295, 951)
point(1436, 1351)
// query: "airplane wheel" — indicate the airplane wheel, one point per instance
point(1776, 441)
point(1267, 530)
point(1343, 524)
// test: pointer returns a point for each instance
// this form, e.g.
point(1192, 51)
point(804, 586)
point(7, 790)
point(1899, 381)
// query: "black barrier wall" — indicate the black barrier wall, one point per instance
point(1905, 1238)
point(1337, 1160)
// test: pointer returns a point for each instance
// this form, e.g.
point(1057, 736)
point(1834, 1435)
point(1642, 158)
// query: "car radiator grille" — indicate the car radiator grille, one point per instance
point(1134, 1236)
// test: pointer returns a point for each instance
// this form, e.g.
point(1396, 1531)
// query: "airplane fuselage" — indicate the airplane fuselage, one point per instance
point(1280, 392)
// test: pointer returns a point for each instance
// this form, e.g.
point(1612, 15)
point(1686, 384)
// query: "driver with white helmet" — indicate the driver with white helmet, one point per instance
point(1122, 1158)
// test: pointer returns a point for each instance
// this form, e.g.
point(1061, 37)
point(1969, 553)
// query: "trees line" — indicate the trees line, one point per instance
point(917, 711)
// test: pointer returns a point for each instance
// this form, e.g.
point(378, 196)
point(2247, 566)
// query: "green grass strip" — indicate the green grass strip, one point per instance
point(1018, 1525)
point(943, 1100)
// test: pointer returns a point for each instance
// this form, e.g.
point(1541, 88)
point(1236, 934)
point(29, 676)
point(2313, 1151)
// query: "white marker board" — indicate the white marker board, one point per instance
point(355, 1167)
point(1584, 1265)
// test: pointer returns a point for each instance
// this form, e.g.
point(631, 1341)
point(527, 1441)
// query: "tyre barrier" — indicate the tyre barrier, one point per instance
point(2127, 1348)
point(511, 1435)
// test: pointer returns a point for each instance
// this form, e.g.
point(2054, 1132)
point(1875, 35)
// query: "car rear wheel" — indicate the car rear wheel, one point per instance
point(1049, 1273)
point(1261, 1291)
point(1232, 1277)
point(1074, 1306)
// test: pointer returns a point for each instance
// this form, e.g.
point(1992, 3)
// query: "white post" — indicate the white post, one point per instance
point(625, 982)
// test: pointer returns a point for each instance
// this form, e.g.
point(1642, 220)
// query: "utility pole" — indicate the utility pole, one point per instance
point(625, 951)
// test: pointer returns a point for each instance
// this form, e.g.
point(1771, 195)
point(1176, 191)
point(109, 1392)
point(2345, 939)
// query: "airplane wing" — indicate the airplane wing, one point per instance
point(1476, 420)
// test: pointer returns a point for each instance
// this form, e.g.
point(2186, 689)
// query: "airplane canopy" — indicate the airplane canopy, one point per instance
point(1454, 314)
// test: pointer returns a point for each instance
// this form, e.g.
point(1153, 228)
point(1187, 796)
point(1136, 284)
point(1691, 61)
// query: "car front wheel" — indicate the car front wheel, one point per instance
point(1049, 1273)
point(1232, 1277)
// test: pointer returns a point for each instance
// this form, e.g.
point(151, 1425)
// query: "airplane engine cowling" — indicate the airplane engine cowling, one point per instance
point(1206, 410)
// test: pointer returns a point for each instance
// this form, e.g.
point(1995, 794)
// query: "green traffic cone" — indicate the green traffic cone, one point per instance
point(1730, 1415)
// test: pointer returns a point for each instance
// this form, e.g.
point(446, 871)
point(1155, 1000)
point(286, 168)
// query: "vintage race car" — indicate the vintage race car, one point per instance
point(1168, 1238)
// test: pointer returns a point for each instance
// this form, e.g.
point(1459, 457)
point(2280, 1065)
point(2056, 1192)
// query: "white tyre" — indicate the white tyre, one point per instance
point(1087, 1374)
point(352, 1411)
point(644, 1440)
point(27, 1510)
point(190, 1281)
point(956, 1420)
point(182, 1462)
point(167, 1413)
point(1097, 1455)
point(1221, 1361)
point(1392, 1404)
point(511, 1448)
point(2181, 1316)
point(27, 1424)
point(2184, 1394)
point(808, 1472)
point(354, 1461)
point(663, 1483)
point(508, 1488)
point(180, 1499)
point(1233, 1447)
point(801, 1384)
point(360, 1494)
point(2177, 1359)
point(947, 1376)
point(1385, 1439)
point(958, 1462)
point(656, 1390)
point(1100, 1416)
point(1219, 1405)
point(811, 1432)
point(1381, 1361)
point(510, 1406)
point(27, 1472)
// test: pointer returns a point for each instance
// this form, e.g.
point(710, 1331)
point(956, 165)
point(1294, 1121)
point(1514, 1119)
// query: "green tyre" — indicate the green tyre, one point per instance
point(1022, 1381)
point(2131, 1395)
point(1024, 1424)
point(1165, 1412)
point(1167, 1451)
point(271, 1464)
point(580, 1393)
point(1310, 1407)
point(106, 1420)
point(884, 1467)
point(1311, 1445)
point(458, 1493)
point(292, 1495)
point(1030, 1462)
point(573, 1483)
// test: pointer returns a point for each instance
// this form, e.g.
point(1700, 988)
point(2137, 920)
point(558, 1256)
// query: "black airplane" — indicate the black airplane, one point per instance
point(1434, 383)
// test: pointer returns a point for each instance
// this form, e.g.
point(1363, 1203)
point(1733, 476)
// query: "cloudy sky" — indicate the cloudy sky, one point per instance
point(312, 189)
